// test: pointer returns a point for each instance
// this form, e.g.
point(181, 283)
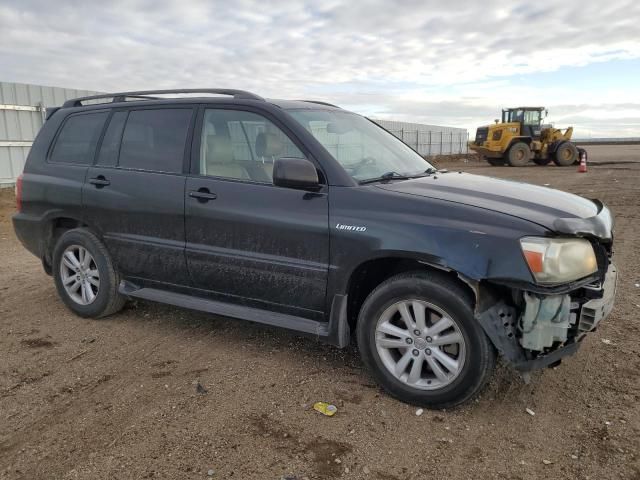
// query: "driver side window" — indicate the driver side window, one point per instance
point(242, 145)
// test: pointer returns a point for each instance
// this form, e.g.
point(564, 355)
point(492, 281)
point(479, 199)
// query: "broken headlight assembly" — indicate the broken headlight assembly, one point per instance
point(558, 260)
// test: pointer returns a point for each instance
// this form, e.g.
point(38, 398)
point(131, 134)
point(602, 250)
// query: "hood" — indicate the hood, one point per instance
point(541, 205)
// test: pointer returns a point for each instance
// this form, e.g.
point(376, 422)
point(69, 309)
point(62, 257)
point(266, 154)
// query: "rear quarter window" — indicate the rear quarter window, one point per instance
point(78, 137)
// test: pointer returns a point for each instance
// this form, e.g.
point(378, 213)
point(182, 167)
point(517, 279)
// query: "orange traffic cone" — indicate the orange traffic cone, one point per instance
point(582, 167)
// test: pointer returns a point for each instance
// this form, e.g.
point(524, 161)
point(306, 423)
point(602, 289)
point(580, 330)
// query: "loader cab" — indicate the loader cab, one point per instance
point(529, 118)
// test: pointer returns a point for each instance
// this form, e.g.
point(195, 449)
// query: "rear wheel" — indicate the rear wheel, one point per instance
point(519, 154)
point(419, 338)
point(566, 154)
point(85, 277)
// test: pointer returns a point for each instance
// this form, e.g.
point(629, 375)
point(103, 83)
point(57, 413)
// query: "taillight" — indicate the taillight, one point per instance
point(19, 193)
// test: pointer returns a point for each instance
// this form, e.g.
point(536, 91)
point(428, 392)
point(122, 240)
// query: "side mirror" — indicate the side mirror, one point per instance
point(297, 173)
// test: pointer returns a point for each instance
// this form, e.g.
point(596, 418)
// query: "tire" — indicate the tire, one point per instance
point(542, 161)
point(474, 355)
point(566, 154)
point(496, 162)
point(104, 298)
point(519, 154)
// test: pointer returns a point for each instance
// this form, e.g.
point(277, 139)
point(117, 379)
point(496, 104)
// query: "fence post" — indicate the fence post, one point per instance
point(440, 142)
point(417, 141)
point(451, 143)
point(429, 143)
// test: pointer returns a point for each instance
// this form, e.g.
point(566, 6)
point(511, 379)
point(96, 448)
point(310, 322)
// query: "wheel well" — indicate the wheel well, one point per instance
point(526, 140)
point(368, 275)
point(56, 228)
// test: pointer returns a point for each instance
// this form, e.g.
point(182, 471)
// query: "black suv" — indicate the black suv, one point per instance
point(302, 215)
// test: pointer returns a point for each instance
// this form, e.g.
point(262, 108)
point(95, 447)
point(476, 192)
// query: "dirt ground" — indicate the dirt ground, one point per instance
point(118, 398)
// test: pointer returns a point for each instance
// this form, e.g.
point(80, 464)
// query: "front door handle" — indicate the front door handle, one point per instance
point(99, 181)
point(203, 195)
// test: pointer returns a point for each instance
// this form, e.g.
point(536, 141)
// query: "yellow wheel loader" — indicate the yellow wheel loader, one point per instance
point(521, 137)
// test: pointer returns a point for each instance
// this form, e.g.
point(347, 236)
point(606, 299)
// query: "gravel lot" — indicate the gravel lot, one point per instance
point(117, 398)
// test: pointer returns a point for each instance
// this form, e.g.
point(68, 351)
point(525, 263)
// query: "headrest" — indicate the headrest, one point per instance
point(269, 145)
point(219, 149)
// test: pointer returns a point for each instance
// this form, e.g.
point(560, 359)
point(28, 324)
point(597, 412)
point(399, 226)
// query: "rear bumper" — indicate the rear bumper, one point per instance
point(29, 231)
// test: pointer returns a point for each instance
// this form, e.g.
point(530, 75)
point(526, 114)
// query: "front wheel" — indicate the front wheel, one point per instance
point(419, 338)
point(519, 154)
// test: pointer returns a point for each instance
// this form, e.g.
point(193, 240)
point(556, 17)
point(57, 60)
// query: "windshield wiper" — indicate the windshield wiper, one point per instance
point(426, 173)
point(385, 177)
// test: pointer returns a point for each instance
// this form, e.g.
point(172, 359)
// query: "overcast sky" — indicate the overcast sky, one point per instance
point(447, 63)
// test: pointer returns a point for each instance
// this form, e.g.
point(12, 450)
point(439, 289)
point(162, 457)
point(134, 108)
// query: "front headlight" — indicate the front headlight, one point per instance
point(559, 260)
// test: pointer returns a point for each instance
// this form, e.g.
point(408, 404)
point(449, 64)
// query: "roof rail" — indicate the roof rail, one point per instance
point(145, 94)
point(321, 103)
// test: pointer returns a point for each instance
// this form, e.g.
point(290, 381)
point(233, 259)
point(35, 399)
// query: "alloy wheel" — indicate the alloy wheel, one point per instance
point(79, 274)
point(420, 344)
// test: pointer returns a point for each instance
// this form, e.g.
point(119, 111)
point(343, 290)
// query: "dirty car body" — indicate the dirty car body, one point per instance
point(322, 222)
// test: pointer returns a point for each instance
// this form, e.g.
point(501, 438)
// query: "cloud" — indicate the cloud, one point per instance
point(375, 56)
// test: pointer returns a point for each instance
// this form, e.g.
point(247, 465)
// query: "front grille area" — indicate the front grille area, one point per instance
point(481, 135)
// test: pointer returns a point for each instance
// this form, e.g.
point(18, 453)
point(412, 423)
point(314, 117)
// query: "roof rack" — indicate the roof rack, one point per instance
point(321, 103)
point(145, 94)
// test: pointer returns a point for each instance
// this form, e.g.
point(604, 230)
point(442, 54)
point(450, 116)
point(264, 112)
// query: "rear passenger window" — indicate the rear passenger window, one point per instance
point(111, 142)
point(155, 139)
point(78, 138)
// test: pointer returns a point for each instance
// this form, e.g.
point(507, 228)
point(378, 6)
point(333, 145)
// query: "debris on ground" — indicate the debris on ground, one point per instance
point(210, 472)
point(325, 408)
point(200, 389)
point(530, 412)
point(419, 412)
point(606, 341)
point(547, 462)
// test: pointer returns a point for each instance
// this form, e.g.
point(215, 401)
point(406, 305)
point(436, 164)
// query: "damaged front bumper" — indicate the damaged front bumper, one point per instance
point(547, 328)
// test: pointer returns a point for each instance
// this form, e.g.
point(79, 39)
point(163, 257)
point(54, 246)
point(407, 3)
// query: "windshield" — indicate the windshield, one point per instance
point(365, 151)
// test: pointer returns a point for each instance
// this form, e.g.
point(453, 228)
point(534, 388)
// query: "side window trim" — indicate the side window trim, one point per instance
point(56, 137)
point(96, 156)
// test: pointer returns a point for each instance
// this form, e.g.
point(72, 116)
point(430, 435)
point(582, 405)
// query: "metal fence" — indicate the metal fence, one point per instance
point(429, 143)
point(428, 140)
point(22, 110)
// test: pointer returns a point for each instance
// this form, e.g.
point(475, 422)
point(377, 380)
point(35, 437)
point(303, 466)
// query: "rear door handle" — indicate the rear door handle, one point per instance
point(99, 181)
point(203, 195)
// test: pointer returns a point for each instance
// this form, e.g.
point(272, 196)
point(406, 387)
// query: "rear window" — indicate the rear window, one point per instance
point(78, 138)
point(155, 139)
